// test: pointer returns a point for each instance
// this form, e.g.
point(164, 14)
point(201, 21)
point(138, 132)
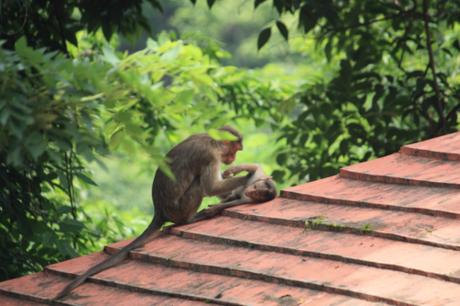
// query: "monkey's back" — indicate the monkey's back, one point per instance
point(186, 161)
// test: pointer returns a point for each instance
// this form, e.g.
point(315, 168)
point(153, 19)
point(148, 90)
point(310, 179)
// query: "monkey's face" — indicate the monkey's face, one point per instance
point(260, 191)
point(230, 148)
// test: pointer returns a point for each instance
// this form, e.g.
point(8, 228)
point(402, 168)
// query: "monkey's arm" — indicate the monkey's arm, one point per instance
point(251, 168)
point(218, 208)
point(230, 197)
point(213, 184)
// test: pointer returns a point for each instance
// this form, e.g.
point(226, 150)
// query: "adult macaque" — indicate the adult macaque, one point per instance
point(195, 163)
point(259, 188)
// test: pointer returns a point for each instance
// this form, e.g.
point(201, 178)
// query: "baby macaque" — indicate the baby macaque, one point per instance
point(259, 188)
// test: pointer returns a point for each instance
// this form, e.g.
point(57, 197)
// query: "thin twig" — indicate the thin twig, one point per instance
point(453, 112)
point(399, 44)
point(60, 26)
point(69, 177)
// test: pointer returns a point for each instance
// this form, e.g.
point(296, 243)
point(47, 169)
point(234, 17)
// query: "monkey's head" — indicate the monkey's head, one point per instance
point(230, 148)
point(261, 190)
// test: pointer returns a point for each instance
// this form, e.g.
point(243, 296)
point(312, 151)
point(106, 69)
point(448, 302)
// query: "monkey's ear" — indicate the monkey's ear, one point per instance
point(238, 145)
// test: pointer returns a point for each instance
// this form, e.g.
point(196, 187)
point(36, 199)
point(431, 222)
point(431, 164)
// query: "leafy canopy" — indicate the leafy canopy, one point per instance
point(59, 113)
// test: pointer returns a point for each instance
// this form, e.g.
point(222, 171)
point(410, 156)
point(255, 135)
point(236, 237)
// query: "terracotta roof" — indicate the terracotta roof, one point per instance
point(383, 231)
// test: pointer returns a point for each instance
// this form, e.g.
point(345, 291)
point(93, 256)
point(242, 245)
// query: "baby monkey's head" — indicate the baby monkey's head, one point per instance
point(261, 190)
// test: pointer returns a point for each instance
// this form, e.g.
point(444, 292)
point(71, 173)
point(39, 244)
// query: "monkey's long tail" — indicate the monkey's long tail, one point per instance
point(151, 232)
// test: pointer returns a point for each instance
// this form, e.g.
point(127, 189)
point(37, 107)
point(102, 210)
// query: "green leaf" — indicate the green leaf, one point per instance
point(93, 97)
point(221, 135)
point(64, 209)
point(263, 38)
point(258, 2)
point(107, 30)
point(157, 5)
point(211, 3)
point(456, 44)
point(110, 56)
point(278, 175)
point(21, 44)
point(281, 158)
point(164, 167)
point(72, 38)
point(71, 225)
point(37, 149)
point(86, 179)
point(336, 144)
point(278, 5)
point(65, 248)
point(283, 29)
point(307, 18)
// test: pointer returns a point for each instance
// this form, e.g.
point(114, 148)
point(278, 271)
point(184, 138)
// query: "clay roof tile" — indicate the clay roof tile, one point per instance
point(386, 231)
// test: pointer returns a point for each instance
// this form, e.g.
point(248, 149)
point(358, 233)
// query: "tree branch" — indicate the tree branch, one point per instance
point(60, 26)
point(431, 63)
point(452, 113)
point(359, 24)
point(400, 45)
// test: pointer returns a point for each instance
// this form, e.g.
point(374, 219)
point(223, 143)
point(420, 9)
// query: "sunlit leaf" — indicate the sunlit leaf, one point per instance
point(93, 97)
point(221, 135)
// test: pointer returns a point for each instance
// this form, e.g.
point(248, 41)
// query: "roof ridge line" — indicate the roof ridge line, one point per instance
point(287, 194)
point(426, 153)
point(361, 176)
point(170, 293)
point(339, 228)
point(292, 251)
point(244, 273)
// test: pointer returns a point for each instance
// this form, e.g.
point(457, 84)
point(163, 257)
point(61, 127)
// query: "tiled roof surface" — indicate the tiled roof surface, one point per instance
point(385, 231)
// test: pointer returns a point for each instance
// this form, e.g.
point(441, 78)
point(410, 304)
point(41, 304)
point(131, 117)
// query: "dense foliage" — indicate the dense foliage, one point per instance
point(397, 82)
point(44, 117)
point(59, 113)
point(50, 24)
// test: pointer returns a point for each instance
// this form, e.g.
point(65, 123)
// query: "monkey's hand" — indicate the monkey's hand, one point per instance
point(251, 168)
point(227, 173)
point(231, 172)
